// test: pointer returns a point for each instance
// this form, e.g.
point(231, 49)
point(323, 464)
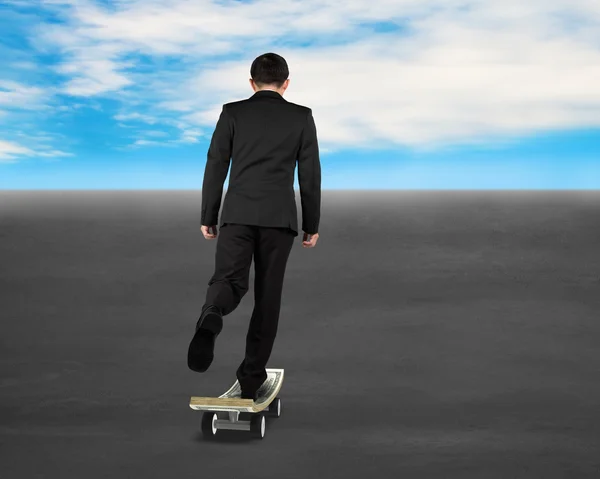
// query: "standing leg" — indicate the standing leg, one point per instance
point(271, 254)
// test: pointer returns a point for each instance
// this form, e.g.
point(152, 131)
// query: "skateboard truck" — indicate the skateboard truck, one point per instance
point(212, 421)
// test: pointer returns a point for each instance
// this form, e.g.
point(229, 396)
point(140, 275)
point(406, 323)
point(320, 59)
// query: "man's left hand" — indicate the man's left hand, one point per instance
point(209, 232)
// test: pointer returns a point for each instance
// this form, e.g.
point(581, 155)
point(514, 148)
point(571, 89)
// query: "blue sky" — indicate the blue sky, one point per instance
point(406, 94)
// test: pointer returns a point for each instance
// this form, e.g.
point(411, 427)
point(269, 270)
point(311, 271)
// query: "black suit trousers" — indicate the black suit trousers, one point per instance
point(237, 245)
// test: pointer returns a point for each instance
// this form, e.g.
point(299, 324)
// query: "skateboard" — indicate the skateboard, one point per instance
point(224, 412)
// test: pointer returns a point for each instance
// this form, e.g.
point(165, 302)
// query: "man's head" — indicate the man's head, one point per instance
point(269, 72)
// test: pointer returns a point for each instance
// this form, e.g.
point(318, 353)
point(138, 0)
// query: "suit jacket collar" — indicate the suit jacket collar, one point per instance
point(267, 94)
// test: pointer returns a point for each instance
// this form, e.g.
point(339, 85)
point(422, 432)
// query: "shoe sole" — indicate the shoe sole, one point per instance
point(200, 356)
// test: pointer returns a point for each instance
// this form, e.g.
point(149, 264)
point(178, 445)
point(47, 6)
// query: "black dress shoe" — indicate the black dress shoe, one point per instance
point(202, 346)
point(254, 396)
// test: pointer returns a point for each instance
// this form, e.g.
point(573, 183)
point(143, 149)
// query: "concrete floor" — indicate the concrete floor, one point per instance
point(429, 335)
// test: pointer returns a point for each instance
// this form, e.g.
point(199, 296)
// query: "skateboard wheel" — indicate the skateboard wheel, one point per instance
point(258, 425)
point(275, 408)
point(209, 424)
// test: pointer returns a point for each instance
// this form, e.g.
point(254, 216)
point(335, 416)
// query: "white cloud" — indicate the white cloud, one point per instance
point(11, 151)
point(136, 117)
point(53, 154)
point(15, 95)
point(92, 77)
point(187, 136)
point(190, 136)
point(78, 106)
point(458, 71)
point(146, 142)
point(154, 133)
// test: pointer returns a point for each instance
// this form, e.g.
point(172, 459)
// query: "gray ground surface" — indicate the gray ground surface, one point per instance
point(430, 334)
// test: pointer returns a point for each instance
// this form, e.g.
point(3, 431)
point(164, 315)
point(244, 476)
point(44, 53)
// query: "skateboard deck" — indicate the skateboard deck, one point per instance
point(231, 401)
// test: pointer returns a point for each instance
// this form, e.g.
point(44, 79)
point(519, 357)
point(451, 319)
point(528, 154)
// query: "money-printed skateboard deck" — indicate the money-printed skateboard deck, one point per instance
point(224, 412)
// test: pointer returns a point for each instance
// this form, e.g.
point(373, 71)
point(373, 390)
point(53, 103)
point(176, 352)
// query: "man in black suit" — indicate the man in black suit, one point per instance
point(265, 137)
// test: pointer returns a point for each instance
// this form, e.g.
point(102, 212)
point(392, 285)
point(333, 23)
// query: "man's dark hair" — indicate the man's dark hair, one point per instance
point(269, 69)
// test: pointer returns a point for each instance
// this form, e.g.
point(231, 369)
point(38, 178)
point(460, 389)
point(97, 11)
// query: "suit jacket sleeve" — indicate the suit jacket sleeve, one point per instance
point(217, 165)
point(309, 177)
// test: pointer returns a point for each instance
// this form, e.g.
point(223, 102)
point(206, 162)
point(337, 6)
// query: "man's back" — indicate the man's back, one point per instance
point(265, 136)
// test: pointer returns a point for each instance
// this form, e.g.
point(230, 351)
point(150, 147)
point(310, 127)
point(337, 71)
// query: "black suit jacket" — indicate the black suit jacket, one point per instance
point(263, 137)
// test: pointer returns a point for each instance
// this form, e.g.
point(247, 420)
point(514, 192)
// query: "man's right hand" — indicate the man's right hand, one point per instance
point(310, 243)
